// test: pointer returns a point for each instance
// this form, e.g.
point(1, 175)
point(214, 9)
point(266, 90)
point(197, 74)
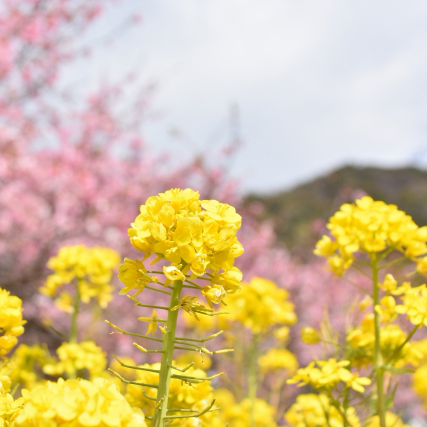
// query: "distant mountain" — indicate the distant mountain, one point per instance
point(294, 212)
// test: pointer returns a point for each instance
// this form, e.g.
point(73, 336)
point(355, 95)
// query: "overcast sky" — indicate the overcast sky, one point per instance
point(319, 84)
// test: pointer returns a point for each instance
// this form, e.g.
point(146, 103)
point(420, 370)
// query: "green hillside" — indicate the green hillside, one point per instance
point(293, 212)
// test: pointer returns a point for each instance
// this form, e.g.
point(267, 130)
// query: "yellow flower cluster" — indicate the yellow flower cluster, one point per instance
point(11, 323)
point(92, 268)
point(25, 362)
point(77, 403)
point(181, 394)
point(239, 414)
point(414, 303)
point(76, 357)
point(315, 410)
point(278, 359)
point(261, 305)
point(179, 227)
point(328, 374)
point(391, 420)
point(8, 409)
point(362, 345)
point(369, 226)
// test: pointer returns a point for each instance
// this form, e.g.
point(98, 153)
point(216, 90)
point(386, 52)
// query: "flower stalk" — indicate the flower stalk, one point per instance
point(167, 357)
point(379, 371)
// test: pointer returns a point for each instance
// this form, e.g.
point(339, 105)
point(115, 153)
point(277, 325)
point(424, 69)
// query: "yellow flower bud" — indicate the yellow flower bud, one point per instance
point(310, 336)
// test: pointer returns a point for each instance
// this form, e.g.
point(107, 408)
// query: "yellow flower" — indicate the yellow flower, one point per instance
point(181, 394)
point(8, 409)
point(214, 294)
point(370, 226)
point(76, 357)
point(191, 305)
point(79, 403)
point(261, 305)
point(239, 414)
point(391, 420)
point(230, 280)
point(315, 410)
point(133, 275)
point(183, 230)
point(173, 273)
point(90, 268)
point(328, 374)
point(11, 322)
point(310, 336)
point(152, 327)
point(414, 304)
point(26, 362)
point(278, 359)
point(390, 283)
point(282, 334)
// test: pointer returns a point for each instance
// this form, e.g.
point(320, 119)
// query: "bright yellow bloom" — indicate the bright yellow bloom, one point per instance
point(278, 359)
point(152, 327)
point(214, 294)
point(362, 345)
point(328, 374)
point(414, 304)
point(370, 226)
point(133, 275)
point(315, 410)
point(75, 358)
point(178, 227)
point(91, 268)
point(11, 322)
point(26, 362)
point(8, 408)
point(282, 334)
point(261, 305)
point(191, 305)
point(79, 403)
point(238, 414)
point(181, 394)
point(391, 420)
point(173, 273)
point(310, 336)
point(390, 283)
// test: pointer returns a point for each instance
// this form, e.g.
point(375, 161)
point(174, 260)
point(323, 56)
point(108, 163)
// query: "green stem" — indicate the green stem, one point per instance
point(378, 355)
point(253, 371)
point(167, 358)
point(73, 331)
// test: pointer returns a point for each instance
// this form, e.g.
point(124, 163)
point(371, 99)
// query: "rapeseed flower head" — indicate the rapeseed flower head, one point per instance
point(74, 358)
point(181, 394)
point(310, 336)
point(90, 268)
point(362, 345)
point(277, 359)
point(79, 403)
point(391, 420)
point(414, 304)
point(315, 410)
point(370, 226)
point(328, 374)
point(239, 414)
point(261, 305)
point(200, 234)
point(8, 409)
point(282, 334)
point(11, 322)
point(25, 362)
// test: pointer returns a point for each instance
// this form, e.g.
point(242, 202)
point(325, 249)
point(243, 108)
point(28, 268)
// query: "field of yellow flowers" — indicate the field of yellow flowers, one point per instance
point(211, 349)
